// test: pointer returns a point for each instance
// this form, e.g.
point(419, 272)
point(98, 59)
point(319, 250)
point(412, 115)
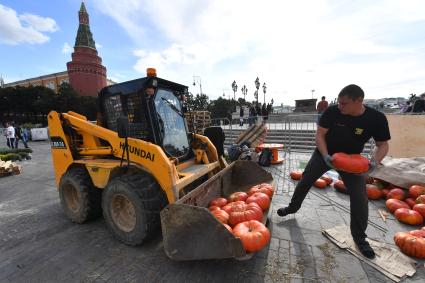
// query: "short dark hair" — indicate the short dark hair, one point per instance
point(352, 91)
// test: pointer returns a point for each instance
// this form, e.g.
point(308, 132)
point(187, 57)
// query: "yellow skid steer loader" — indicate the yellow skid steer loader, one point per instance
point(141, 168)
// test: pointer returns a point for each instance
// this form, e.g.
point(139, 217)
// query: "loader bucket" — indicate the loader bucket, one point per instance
point(191, 232)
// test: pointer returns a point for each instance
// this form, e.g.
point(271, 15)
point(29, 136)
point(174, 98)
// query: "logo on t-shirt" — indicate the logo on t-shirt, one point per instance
point(358, 131)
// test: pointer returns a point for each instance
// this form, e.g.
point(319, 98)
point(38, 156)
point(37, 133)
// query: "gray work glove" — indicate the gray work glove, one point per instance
point(328, 160)
point(372, 166)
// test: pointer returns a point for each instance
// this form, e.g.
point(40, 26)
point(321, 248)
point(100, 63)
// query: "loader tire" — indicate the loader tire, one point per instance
point(80, 200)
point(131, 205)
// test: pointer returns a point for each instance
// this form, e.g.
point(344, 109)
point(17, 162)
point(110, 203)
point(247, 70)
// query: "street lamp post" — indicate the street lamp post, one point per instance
point(244, 92)
point(264, 91)
point(257, 86)
point(235, 89)
point(197, 79)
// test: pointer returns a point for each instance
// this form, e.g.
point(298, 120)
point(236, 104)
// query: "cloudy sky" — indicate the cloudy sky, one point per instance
point(293, 46)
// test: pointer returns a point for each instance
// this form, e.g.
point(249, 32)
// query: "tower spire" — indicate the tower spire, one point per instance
point(84, 35)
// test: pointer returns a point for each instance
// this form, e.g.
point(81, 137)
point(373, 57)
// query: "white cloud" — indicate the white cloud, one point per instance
point(66, 49)
point(25, 28)
point(293, 46)
point(39, 23)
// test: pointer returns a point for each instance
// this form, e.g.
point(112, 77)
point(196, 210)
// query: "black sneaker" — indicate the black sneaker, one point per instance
point(365, 249)
point(283, 211)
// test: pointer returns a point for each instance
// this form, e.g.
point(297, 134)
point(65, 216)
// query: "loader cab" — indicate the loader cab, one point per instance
point(154, 112)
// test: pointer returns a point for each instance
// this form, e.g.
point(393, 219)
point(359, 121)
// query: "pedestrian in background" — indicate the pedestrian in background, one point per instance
point(241, 114)
point(19, 136)
point(321, 107)
point(10, 135)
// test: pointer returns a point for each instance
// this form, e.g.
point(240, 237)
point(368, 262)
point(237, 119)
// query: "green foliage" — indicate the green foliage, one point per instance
point(6, 150)
point(221, 108)
point(197, 102)
point(32, 104)
point(10, 156)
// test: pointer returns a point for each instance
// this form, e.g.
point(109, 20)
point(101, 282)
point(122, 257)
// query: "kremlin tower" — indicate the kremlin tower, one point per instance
point(86, 73)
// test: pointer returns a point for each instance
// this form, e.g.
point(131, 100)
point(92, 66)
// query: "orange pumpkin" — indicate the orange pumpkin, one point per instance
point(218, 202)
point(253, 234)
point(296, 175)
point(415, 191)
point(221, 215)
point(262, 188)
point(320, 183)
point(237, 196)
point(396, 193)
point(420, 199)
point(373, 192)
point(420, 207)
point(411, 202)
point(410, 244)
point(408, 216)
point(340, 187)
point(351, 163)
point(213, 207)
point(394, 204)
point(327, 179)
point(261, 199)
point(240, 212)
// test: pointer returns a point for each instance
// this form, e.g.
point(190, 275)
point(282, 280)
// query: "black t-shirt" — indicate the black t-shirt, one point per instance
point(349, 133)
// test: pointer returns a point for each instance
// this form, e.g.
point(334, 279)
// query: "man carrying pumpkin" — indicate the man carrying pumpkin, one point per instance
point(346, 128)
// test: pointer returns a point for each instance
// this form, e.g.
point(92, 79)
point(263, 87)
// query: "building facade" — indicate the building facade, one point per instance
point(85, 72)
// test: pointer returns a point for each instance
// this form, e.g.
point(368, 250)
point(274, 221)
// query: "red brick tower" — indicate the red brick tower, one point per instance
point(86, 73)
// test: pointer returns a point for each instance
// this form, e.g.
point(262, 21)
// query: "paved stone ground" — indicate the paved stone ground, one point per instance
point(39, 244)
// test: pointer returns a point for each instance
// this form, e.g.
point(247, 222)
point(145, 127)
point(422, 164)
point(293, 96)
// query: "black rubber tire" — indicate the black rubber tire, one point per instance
point(88, 199)
point(147, 198)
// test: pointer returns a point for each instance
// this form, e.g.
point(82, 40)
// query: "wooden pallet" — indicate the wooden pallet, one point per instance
point(197, 121)
point(255, 134)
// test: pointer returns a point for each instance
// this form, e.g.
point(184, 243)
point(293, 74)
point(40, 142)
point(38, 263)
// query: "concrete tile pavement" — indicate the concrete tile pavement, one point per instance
point(38, 243)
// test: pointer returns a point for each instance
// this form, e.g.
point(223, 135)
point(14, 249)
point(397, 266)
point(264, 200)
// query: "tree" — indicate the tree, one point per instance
point(198, 102)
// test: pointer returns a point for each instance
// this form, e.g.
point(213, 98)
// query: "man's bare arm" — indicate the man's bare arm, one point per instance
point(380, 151)
point(321, 141)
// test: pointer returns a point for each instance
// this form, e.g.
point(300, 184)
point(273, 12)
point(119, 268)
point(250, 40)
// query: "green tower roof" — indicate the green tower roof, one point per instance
point(84, 36)
point(83, 8)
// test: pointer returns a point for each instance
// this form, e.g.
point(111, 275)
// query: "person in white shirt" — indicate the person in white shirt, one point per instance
point(10, 135)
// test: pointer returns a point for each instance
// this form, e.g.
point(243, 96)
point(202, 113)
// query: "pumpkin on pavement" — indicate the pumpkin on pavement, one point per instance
point(373, 192)
point(296, 175)
point(394, 204)
point(327, 179)
point(253, 234)
point(409, 216)
point(411, 243)
point(415, 191)
point(340, 187)
point(351, 163)
point(396, 193)
point(420, 207)
point(320, 183)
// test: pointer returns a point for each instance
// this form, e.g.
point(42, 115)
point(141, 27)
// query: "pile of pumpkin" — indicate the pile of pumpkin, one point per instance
point(242, 214)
